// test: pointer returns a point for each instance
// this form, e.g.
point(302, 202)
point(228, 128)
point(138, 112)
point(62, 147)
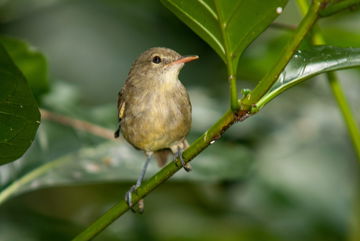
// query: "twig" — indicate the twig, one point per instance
point(283, 26)
point(209, 137)
point(77, 124)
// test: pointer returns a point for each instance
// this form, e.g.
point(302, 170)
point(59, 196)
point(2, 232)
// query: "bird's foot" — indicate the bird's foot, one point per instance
point(187, 167)
point(128, 199)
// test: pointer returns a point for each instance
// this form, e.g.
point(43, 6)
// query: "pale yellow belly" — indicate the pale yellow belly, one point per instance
point(158, 127)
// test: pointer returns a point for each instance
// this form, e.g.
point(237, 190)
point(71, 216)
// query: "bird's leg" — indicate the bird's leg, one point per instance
point(179, 153)
point(128, 195)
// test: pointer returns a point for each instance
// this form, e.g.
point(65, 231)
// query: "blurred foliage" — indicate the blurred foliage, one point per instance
point(31, 63)
point(293, 167)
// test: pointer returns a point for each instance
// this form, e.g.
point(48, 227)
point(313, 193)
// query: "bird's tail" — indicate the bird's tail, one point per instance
point(117, 133)
point(161, 156)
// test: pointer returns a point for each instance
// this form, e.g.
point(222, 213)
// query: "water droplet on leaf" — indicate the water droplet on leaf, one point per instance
point(282, 77)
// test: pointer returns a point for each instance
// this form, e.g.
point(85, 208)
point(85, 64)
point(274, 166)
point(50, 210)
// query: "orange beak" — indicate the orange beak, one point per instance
point(184, 59)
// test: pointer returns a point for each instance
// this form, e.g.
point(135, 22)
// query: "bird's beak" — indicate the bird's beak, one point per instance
point(184, 59)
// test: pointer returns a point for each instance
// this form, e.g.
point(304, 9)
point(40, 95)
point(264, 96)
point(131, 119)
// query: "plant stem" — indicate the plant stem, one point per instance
point(77, 124)
point(337, 91)
point(344, 106)
point(232, 82)
point(265, 84)
point(283, 26)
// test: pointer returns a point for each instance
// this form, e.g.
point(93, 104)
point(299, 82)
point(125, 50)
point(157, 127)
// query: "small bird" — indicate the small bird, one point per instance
point(154, 108)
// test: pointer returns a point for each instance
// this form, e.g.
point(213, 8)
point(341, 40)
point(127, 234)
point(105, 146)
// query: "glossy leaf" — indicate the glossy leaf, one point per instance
point(30, 61)
point(307, 63)
point(227, 26)
point(19, 114)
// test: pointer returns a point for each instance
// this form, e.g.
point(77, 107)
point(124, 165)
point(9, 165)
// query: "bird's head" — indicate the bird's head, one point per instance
point(160, 64)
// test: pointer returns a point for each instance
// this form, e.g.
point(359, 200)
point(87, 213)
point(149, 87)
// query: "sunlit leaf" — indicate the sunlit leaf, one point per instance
point(19, 114)
point(227, 26)
point(310, 62)
point(30, 61)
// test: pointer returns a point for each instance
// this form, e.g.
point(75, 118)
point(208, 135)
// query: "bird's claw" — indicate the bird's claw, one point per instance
point(186, 166)
point(128, 199)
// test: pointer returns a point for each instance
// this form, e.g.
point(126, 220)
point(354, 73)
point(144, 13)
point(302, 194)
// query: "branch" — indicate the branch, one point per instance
point(211, 135)
point(283, 26)
point(77, 124)
point(265, 84)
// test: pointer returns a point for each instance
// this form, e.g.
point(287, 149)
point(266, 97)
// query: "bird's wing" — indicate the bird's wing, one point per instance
point(121, 105)
point(121, 111)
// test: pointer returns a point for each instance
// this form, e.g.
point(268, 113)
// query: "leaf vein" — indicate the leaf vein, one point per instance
point(217, 41)
point(211, 11)
point(231, 17)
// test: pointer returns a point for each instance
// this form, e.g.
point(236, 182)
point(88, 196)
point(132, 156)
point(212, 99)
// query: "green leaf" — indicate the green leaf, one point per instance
point(19, 114)
point(227, 26)
point(310, 62)
point(30, 61)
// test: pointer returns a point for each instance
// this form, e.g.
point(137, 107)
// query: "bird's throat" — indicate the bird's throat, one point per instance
point(169, 79)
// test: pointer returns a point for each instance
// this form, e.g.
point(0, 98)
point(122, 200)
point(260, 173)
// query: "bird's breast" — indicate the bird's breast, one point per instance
point(156, 119)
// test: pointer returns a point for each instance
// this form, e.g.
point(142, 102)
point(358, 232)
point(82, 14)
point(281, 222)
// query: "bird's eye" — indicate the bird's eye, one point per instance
point(156, 59)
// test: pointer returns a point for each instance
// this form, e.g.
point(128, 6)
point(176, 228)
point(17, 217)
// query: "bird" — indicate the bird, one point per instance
point(154, 109)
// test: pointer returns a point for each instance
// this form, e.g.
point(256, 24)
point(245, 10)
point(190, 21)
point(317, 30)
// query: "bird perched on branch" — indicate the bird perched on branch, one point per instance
point(154, 108)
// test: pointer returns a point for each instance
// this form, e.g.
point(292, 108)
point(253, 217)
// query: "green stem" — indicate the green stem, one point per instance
point(337, 91)
point(214, 133)
point(337, 6)
point(265, 84)
point(344, 106)
point(232, 82)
